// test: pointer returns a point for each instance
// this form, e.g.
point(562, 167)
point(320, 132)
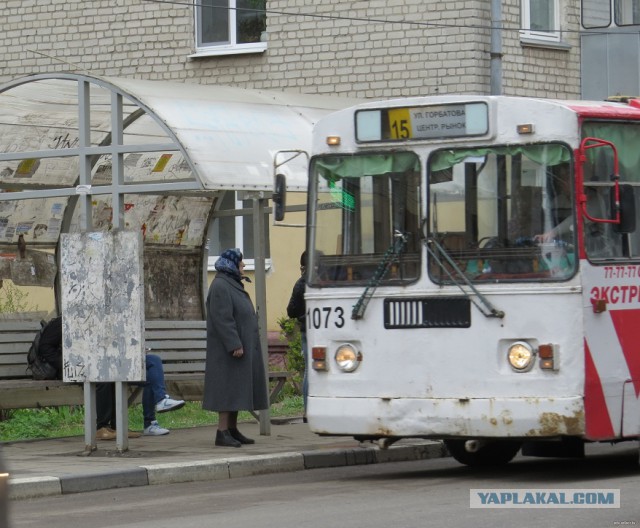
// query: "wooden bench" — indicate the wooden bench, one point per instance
point(180, 344)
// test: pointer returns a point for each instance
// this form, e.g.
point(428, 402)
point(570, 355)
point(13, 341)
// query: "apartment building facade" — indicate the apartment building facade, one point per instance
point(361, 49)
point(371, 49)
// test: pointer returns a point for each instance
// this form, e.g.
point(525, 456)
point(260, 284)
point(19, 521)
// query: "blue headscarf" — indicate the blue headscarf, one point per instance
point(229, 263)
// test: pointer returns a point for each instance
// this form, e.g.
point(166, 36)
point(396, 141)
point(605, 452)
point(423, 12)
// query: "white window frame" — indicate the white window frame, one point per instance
point(249, 264)
point(230, 48)
point(535, 35)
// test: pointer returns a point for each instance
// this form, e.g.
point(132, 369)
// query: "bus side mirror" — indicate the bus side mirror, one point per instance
point(627, 209)
point(279, 197)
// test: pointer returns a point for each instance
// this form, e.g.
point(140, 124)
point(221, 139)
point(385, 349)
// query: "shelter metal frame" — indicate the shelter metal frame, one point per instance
point(113, 145)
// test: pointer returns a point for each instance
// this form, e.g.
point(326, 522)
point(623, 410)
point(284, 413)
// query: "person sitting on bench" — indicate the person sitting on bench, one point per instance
point(154, 396)
point(154, 400)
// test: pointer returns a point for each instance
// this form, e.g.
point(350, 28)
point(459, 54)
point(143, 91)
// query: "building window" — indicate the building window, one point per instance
point(627, 12)
point(596, 14)
point(234, 231)
point(541, 20)
point(230, 26)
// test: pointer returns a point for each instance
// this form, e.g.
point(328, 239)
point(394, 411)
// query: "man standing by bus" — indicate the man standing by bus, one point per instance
point(296, 309)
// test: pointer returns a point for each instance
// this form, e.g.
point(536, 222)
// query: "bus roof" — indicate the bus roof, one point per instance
point(607, 109)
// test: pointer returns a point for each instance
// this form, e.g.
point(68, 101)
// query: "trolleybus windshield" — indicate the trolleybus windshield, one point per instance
point(501, 213)
point(366, 217)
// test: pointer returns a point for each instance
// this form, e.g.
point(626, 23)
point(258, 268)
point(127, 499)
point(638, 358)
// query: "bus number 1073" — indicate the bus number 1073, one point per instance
point(325, 317)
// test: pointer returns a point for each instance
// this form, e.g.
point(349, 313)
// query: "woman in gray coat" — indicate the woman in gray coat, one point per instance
point(235, 377)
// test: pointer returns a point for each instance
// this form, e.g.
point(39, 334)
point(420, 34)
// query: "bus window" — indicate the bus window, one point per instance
point(362, 205)
point(501, 213)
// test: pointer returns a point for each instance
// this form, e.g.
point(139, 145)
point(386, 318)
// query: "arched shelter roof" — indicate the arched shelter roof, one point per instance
point(229, 135)
point(136, 154)
point(232, 135)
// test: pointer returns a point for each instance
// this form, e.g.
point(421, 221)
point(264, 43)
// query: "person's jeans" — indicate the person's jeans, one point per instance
point(106, 405)
point(153, 392)
point(154, 389)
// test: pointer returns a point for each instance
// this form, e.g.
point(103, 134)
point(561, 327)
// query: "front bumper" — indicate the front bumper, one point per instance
point(530, 417)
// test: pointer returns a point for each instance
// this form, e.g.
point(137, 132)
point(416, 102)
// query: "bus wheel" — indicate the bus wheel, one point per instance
point(491, 453)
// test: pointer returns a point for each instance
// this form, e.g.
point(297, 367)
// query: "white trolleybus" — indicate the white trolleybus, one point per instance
point(474, 274)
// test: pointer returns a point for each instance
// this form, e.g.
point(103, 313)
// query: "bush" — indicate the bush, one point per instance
point(291, 334)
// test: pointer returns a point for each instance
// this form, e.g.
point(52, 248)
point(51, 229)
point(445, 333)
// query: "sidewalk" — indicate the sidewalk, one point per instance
point(41, 468)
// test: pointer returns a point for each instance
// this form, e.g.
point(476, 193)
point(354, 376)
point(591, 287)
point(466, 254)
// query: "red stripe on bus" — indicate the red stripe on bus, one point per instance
point(597, 420)
point(626, 323)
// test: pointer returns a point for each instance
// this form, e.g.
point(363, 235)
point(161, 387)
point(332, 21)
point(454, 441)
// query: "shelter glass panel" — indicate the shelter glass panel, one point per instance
point(38, 221)
point(39, 172)
point(144, 167)
point(142, 130)
point(48, 112)
point(163, 219)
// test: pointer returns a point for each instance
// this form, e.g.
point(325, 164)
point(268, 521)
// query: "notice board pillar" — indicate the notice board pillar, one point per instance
point(102, 300)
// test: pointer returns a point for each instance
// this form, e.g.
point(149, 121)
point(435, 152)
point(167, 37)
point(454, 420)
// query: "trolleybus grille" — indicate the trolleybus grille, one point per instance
point(449, 312)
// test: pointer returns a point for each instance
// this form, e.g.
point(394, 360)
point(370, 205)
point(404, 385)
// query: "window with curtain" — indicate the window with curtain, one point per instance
point(230, 26)
point(541, 20)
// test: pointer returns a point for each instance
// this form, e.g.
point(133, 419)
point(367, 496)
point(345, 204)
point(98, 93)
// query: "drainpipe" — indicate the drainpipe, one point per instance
point(496, 47)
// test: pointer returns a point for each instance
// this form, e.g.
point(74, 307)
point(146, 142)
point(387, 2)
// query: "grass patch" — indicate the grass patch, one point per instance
point(56, 422)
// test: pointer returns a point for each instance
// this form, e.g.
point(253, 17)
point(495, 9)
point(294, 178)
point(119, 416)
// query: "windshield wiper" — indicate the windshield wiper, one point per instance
point(492, 311)
point(389, 257)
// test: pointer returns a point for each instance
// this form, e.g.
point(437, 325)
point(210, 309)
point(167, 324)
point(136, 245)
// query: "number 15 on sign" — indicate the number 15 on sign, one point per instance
point(400, 123)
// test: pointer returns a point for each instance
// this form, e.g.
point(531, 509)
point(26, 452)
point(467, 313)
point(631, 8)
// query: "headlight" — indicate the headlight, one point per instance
point(520, 356)
point(347, 358)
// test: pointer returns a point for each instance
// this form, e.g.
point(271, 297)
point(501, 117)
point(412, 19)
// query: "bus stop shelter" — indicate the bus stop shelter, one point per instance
point(82, 153)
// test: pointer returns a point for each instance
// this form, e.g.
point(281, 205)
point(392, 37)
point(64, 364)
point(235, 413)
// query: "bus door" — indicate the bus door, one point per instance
point(611, 289)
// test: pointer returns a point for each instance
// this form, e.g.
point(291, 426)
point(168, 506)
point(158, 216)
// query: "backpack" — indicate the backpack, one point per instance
point(40, 369)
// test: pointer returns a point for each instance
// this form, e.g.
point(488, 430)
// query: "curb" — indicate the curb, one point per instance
point(219, 469)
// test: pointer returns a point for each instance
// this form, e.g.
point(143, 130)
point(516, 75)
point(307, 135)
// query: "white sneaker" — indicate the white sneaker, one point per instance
point(169, 404)
point(155, 430)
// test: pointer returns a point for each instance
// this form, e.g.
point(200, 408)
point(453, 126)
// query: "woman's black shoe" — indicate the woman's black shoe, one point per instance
point(240, 437)
point(226, 439)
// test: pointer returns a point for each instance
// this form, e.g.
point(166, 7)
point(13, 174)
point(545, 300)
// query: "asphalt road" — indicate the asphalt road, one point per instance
point(407, 495)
